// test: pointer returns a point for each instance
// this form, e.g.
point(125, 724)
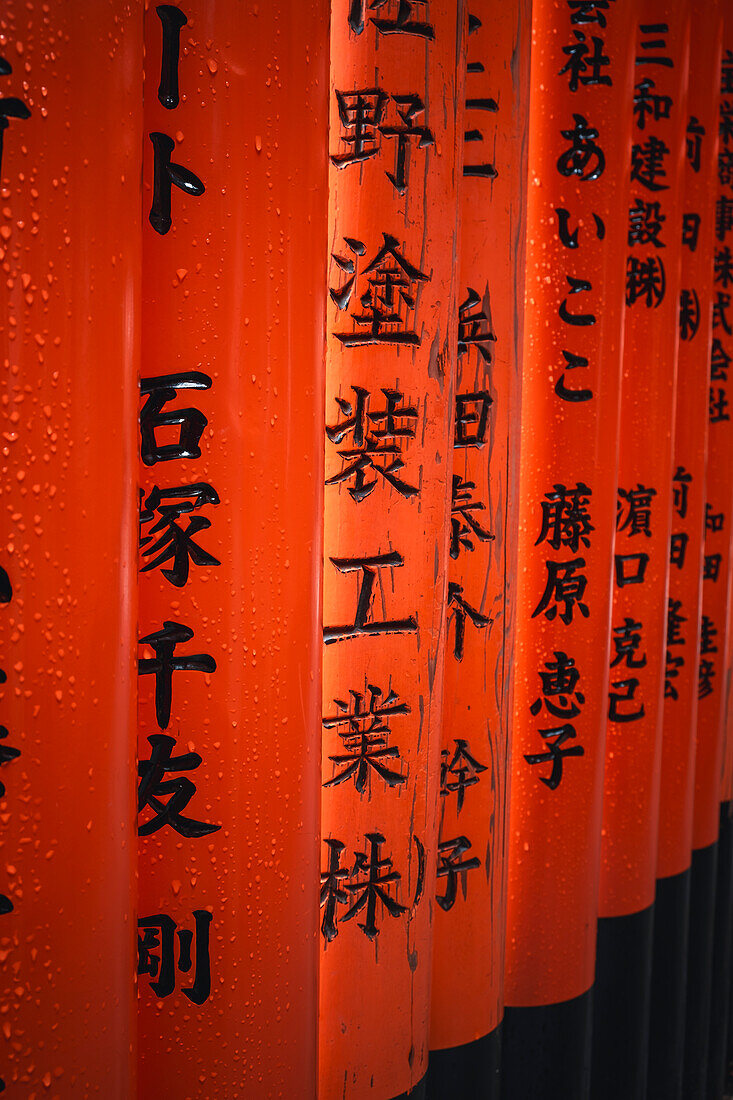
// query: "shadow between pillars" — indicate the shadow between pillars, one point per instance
point(669, 987)
point(721, 968)
point(699, 970)
point(621, 1006)
point(545, 1051)
point(467, 1072)
point(418, 1093)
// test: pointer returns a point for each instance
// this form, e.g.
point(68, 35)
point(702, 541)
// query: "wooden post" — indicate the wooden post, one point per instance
point(234, 264)
point(70, 248)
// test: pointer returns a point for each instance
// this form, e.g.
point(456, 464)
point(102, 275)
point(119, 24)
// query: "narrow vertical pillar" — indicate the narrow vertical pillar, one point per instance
point(577, 198)
point(396, 134)
point(641, 562)
point(71, 72)
point(468, 956)
point(234, 262)
point(684, 607)
point(713, 632)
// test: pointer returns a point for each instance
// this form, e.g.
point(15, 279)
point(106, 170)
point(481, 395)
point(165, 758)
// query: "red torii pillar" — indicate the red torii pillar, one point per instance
point(577, 201)
point(70, 253)
point(234, 261)
point(672, 999)
point(388, 612)
point(469, 934)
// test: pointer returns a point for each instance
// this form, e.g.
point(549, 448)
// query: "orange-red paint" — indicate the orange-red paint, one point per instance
point(468, 953)
point(698, 185)
point(636, 689)
point(554, 833)
point(70, 253)
point(235, 291)
point(392, 225)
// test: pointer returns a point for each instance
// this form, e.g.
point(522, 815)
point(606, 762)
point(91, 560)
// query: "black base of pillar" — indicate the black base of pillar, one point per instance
point(467, 1072)
point(621, 1006)
point(545, 1051)
point(699, 967)
point(720, 988)
point(417, 1093)
point(669, 987)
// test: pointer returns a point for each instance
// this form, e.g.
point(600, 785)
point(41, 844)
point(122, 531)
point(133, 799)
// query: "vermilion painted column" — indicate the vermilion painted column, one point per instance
point(396, 117)
point(234, 263)
point(581, 79)
point(69, 246)
point(716, 590)
point(468, 956)
point(641, 563)
point(684, 607)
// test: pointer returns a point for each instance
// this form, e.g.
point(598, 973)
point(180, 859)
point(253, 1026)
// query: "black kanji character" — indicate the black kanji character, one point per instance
point(462, 611)
point(708, 632)
point(566, 517)
point(721, 303)
point(693, 144)
point(555, 753)
point(362, 623)
point(649, 103)
point(723, 266)
point(625, 694)
point(450, 865)
point(360, 114)
point(630, 568)
point(563, 587)
point(376, 438)
point(172, 19)
point(690, 230)
point(645, 281)
point(164, 664)
point(681, 482)
point(719, 361)
point(408, 109)
point(647, 163)
point(626, 640)
point(572, 361)
point(156, 954)
point(656, 41)
point(473, 327)
point(705, 676)
point(153, 788)
point(410, 17)
point(678, 548)
point(588, 11)
point(464, 525)
point(159, 391)
point(463, 767)
point(166, 176)
point(388, 302)
point(584, 65)
point(577, 286)
point(689, 316)
point(559, 681)
point(570, 239)
point(365, 738)
point(173, 542)
point(711, 567)
point(718, 406)
point(723, 217)
point(472, 417)
point(10, 107)
point(332, 889)
point(645, 223)
point(375, 887)
point(7, 753)
point(637, 517)
point(584, 158)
